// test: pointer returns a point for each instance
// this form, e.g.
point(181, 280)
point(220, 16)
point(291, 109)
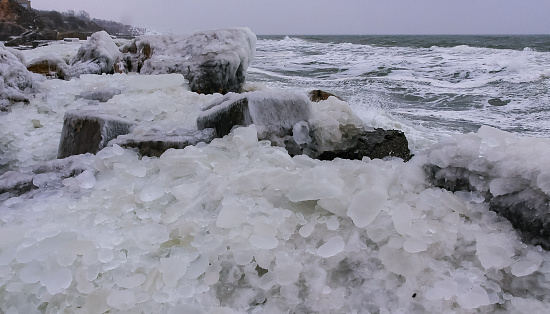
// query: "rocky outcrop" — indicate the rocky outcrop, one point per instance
point(212, 61)
point(325, 130)
point(155, 143)
point(378, 143)
point(487, 165)
point(98, 55)
point(89, 131)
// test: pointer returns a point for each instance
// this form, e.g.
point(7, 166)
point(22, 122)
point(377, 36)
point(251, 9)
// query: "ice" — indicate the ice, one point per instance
point(17, 80)
point(98, 55)
point(232, 214)
point(494, 250)
point(122, 299)
point(300, 133)
point(31, 273)
point(414, 245)
point(524, 268)
point(332, 247)
point(172, 270)
point(365, 206)
point(265, 242)
point(152, 192)
point(306, 230)
point(131, 282)
point(57, 279)
point(473, 299)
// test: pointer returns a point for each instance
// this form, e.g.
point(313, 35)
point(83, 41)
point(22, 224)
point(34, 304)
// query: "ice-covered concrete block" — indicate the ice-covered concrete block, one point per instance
point(213, 61)
point(272, 113)
point(156, 143)
point(98, 55)
point(88, 131)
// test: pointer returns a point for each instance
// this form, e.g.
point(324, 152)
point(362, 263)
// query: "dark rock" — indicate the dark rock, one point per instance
point(156, 143)
point(498, 102)
point(135, 55)
point(318, 95)
point(379, 143)
point(273, 114)
point(89, 131)
point(101, 95)
point(29, 37)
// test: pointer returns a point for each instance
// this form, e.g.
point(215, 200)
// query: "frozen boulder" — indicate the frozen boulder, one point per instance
point(155, 143)
point(509, 172)
point(89, 131)
point(49, 66)
point(274, 114)
point(16, 81)
point(98, 55)
point(212, 61)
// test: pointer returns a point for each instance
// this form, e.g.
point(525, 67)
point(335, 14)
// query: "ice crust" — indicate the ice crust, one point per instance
point(221, 56)
point(238, 225)
point(16, 82)
point(99, 54)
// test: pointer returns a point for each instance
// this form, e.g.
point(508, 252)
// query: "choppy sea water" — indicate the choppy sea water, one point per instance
point(441, 84)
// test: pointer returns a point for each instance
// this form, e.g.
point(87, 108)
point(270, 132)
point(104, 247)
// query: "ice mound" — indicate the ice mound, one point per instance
point(98, 55)
point(17, 81)
point(49, 66)
point(240, 226)
point(212, 61)
point(508, 171)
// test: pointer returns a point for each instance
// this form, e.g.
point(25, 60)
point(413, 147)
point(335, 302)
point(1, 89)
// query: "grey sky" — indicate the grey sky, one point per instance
point(288, 17)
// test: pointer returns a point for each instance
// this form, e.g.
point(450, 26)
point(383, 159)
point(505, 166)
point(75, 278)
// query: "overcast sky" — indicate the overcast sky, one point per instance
point(288, 17)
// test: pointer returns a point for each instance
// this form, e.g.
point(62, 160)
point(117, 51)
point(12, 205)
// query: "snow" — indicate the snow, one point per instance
point(238, 225)
point(99, 54)
point(17, 81)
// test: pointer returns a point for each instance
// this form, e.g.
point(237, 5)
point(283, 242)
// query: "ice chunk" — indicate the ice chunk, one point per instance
point(172, 270)
point(473, 299)
point(131, 281)
point(494, 250)
point(31, 273)
point(524, 268)
point(56, 279)
point(152, 192)
point(232, 214)
point(306, 230)
point(300, 133)
point(122, 299)
point(365, 206)
point(412, 245)
point(15, 78)
point(265, 242)
point(332, 247)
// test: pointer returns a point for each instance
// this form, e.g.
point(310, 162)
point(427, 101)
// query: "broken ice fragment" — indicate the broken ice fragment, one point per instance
point(332, 247)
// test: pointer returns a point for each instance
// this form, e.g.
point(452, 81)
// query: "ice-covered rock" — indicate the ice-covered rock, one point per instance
point(98, 55)
point(502, 168)
point(272, 113)
point(88, 131)
point(49, 66)
point(326, 130)
point(212, 61)
point(16, 81)
point(157, 142)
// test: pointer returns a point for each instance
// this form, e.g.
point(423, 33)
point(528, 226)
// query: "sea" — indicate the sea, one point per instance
point(240, 226)
point(444, 83)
